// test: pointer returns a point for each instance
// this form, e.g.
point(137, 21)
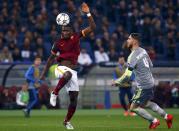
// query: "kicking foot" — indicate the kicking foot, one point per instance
point(154, 125)
point(169, 120)
point(53, 99)
point(68, 125)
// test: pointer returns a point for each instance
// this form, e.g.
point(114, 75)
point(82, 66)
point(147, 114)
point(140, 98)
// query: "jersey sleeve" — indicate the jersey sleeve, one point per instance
point(150, 62)
point(54, 49)
point(132, 61)
point(29, 75)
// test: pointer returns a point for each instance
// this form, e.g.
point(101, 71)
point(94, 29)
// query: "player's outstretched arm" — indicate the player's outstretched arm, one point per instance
point(125, 77)
point(92, 24)
point(48, 64)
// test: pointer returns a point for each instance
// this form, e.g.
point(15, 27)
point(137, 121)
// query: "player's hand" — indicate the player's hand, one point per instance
point(85, 8)
point(37, 84)
point(113, 83)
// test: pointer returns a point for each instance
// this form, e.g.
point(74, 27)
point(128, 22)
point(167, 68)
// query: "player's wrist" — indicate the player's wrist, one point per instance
point(117, 82)
point(88, 14)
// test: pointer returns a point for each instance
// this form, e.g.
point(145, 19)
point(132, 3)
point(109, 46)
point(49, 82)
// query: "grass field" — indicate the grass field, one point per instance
point(84, 120)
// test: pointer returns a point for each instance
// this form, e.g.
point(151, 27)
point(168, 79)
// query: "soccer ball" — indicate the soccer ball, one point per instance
point(63, 19)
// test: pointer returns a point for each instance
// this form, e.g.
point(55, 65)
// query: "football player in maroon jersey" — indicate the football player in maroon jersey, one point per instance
point(66, 50)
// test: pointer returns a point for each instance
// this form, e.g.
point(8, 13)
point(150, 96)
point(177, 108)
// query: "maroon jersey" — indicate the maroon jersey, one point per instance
point(68, 49)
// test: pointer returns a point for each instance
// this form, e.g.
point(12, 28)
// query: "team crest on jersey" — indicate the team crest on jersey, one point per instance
point(72, 37)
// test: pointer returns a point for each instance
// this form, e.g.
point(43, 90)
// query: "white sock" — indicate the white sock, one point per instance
point(165, 117)
point(155, 120)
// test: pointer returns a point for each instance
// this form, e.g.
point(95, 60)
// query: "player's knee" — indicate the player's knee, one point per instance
point(155, 107)
point(73, 99)
point(67, 75)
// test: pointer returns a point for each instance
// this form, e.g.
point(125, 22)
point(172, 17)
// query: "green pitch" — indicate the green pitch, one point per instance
point(84, 120)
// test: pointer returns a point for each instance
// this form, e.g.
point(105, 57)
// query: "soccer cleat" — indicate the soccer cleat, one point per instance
point(26, 113)
point(154, 125)
point(169, 120)
point(132, 114)
point(126, 113)
point(68, 125)
point(53, 99)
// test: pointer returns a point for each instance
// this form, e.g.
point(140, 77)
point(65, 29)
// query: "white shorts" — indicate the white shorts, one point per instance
point(72, 84)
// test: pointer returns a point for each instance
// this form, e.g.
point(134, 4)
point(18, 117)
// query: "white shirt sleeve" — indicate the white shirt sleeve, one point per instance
point(80, 59)
point(89, 60)
point(18, 100)
point(106, 57)
point(97, 56)
point(101, 57)
point(84, 59)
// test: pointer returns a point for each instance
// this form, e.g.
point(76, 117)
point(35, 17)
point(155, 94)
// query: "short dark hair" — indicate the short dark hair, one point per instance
point(37, 57)
point(136, 36)
point(68, 25)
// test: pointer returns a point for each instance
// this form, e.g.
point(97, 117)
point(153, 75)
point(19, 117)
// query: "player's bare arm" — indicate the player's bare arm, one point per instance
point(92, 24)
point(48, 64)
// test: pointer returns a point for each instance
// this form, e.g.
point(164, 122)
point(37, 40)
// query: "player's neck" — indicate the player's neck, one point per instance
point(134, 47)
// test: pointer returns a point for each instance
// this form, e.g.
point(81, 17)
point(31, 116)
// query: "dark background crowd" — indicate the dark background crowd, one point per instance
point(28, 27)
point(166, 95)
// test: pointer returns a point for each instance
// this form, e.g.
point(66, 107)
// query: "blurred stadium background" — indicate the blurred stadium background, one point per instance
point(28, 28)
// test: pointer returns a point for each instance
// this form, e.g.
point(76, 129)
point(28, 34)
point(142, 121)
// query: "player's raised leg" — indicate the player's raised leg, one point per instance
point(61, 83)
point(71, 109)
point(154, 107)
point(140, 100)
